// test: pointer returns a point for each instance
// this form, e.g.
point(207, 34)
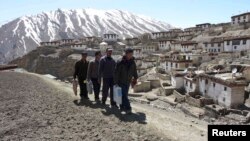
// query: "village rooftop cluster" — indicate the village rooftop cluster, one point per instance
point(178, 58)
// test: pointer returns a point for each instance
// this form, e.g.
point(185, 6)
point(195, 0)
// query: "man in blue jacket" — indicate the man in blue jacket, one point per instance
point(106, 72)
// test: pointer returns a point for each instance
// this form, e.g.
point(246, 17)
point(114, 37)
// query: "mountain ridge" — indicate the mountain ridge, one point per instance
point(24, 34)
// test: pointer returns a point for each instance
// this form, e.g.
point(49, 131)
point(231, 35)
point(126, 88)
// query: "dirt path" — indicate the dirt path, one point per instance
point(37, 108)
point(33, 107)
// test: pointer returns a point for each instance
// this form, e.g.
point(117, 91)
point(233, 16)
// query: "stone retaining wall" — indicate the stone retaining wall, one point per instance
point(178, 97)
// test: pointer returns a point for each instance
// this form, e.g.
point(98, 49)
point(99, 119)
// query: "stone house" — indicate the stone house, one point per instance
point(78, 46)
point(188, 46)
point(51, 43)
point(224, 88)
point(215, 45)
point(177, 79)
point(239, 43)
point(165, 44)
point(241, 18)
point(110, 37)
point(204, 25)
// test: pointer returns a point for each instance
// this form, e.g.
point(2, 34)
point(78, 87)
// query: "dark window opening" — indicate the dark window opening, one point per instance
point(244, 42)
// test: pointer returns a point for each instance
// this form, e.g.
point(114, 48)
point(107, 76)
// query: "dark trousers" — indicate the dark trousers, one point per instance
point(108, 84)
point(125, 101)
point(83, 88)
point(96, 86)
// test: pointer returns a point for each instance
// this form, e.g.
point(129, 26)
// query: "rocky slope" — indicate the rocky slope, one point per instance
point(23, 34)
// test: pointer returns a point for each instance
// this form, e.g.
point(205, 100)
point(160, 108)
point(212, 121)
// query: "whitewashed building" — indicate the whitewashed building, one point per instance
point(110, 37)
point(191, 83)
point(104, 46)
point(223, 89)
point(241, 18)
point(165, 44)
point(137, 52)
point(234, 44)
point(193, 29)
point(138, 62)
point(67, 41)
point(149, 48)
point(216, 45)
point(177, 79)
point(78, 46)
point(204, 25)
point(52, 43)
point(176, 46)
point(188, 46)
point(172, 65)
point(185, 37)
point(164, 34)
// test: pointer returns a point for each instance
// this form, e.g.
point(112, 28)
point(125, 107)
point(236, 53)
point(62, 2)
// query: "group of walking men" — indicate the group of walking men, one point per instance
point(109, 72)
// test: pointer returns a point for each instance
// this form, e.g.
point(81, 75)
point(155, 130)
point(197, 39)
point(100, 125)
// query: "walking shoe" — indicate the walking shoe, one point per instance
point(114, 106)
point(129, 112)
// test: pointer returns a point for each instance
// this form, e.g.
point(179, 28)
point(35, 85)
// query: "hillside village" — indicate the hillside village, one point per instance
point(205, 66)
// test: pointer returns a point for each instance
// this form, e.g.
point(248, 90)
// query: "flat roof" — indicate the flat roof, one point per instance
point(243, 14)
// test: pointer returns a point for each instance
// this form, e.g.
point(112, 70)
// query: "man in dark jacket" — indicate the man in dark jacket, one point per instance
point(106, 71)
point(93, 74)
point(126, 73)
point(81, 68)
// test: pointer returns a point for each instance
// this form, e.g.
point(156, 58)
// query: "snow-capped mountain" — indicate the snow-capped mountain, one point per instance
point(23, 34)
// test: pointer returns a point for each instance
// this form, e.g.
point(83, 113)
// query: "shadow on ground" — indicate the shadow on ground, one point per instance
point(134, 117)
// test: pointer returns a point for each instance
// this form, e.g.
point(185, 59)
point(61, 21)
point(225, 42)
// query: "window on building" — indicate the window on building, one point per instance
point(219, 44)
point(238, 18)
point(244, 17)
point(244, 42)
point(206, 81)
point(236, 42)
point(218, 50)
point(224, 99)
point(171, 64)
point(228, 42)
point(205, 44)
point(212, 45)
point(186, 83)
point(176, 65)
point(225, 88)
point(214, 50)
point(235, 47)
point(191, 85)
point(214, 84)
point(205, 91)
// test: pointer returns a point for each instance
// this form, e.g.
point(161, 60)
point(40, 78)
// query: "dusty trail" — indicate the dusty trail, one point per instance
point(36, 108)
point(33, 107)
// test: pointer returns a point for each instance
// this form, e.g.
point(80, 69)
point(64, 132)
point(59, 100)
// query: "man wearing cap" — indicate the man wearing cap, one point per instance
point(81, 68)
point(106, 72)
point(126, 74)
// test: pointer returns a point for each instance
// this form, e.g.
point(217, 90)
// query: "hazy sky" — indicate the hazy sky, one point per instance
point(179, 13)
